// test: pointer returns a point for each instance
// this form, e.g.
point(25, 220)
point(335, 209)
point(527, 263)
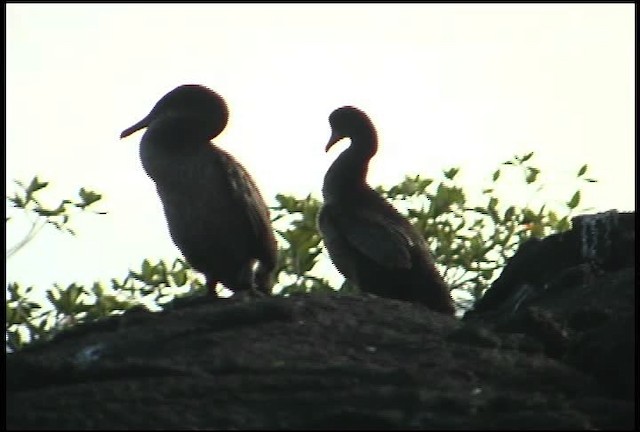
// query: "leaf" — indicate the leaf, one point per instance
point(12, 316)
point(48, 213)
point(582, 170)
point(496, 175)
point(180, 277)
point(532, 174)
point(541, 211)
point(88, 197)
point(508, 215)
point(451, 173)
point(17, 201)
point(147, 271)
point(563, 224)
point(35, 185)
point(575, 200)
point(97, 289)
point(528, 217)
point(526, 157)
point(70, 297)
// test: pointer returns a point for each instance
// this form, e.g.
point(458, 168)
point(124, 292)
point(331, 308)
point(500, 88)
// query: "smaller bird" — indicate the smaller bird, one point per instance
point(214, 210)
point(369, 242)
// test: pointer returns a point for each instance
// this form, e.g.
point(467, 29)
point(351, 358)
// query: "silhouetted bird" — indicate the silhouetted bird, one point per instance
point(215, 213)
point(369, 242)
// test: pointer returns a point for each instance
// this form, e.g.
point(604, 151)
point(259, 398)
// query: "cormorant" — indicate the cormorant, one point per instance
point(370, 243)
point(214, 210)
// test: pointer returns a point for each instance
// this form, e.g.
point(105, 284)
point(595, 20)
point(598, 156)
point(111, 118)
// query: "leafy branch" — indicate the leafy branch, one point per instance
point(26, 199)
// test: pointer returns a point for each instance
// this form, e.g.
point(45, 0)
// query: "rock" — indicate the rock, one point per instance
point(574, 293)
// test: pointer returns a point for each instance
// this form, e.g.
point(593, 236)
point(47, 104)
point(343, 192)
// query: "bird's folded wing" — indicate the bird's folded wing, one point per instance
point(375, 237)
point(247, 195)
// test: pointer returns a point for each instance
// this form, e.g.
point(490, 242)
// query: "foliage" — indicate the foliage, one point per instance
point(471, 240)
point(58, 216)
point(30, 318)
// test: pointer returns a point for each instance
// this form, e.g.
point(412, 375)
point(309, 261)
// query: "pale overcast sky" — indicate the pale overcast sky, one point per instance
point(465, 85)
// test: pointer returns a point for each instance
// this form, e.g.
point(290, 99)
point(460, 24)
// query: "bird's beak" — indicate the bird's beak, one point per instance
point(335, 137)
point(136, 127)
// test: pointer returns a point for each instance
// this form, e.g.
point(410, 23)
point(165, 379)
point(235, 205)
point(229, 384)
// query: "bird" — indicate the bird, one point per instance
point(214, 211)
point(369, 242)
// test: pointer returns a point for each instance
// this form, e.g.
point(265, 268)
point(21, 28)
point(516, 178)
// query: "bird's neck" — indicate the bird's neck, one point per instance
point(178, 129)
point(171, 153)
point(348, 173)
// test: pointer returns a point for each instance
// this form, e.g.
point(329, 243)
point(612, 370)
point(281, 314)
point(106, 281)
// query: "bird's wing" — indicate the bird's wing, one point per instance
point(371, 234)
point(248, 197)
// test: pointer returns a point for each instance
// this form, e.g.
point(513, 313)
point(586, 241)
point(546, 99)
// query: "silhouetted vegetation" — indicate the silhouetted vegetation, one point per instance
point(471, 237)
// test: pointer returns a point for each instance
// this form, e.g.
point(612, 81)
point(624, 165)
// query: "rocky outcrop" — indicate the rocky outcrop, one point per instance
point(550, 346)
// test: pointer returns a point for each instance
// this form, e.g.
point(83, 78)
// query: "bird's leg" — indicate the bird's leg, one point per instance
point(255, 292)
point(249, 286)
point(262, 282)
point(192, 300)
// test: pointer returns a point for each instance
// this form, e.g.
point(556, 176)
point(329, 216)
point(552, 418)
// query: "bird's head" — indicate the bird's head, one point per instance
point(202, 106)
point(349, 122)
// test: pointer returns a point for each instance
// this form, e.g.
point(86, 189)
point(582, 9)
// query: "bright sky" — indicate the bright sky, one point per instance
point(465, 85)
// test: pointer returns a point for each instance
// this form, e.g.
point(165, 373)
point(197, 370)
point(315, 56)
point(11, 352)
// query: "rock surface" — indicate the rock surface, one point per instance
point(551, 346)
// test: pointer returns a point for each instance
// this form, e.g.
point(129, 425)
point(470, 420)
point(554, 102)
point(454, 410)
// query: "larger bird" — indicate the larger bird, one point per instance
point(215, 213)
point(369, 242)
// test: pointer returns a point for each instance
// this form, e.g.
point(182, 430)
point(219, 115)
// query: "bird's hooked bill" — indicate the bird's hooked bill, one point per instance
point(136, 127)
point(335, 137)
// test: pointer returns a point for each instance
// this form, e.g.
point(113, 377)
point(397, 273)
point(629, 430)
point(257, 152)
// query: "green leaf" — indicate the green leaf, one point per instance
point(575, 200)
point(528, 216)
point(509, 213)
point(88, 197)
point(147, 270)
point(563, 224)
point(527, 157)
point(17, 201)
point(451, 173)
point(496, 175)
point(48, 213)
point(35, 185)
point(582, 170)
point(180, 277)
point(532, 174)
point(541, 211)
